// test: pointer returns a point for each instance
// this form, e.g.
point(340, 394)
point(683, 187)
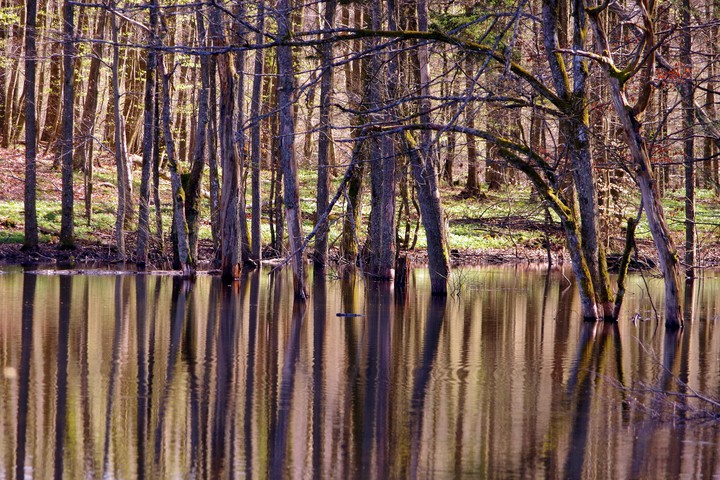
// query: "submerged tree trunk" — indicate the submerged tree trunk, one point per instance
point(688, 101)
point(286, 150)
point(240, 137)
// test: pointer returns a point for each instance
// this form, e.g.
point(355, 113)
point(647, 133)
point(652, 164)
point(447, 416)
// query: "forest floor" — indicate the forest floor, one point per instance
point(502, 227)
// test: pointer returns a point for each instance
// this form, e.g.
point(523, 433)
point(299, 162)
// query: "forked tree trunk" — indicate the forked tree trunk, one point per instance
point(667, 253)
point(432, 217)
point(230, 235)
point(187, 262)
point(148, 144)
point(194, 183)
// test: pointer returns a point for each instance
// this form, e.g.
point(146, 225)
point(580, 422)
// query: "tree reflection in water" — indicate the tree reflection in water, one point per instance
point(146, 376)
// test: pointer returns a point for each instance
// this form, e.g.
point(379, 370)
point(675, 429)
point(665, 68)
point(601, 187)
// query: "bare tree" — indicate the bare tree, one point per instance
point(31, 226)
point(67, 232)
point(286, 144)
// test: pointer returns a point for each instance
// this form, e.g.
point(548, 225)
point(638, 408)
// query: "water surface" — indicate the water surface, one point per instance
point(147, 376)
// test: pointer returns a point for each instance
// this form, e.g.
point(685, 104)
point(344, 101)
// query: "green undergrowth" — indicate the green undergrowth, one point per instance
point(512, 218)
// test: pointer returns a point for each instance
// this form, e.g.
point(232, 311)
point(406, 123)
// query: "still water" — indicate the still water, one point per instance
point(146, 376)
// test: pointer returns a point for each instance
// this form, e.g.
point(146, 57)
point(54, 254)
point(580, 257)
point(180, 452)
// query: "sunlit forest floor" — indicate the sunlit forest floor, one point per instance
point(506, 226)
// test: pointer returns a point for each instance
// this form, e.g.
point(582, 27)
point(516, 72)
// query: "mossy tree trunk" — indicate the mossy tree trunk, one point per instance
point(628, 115)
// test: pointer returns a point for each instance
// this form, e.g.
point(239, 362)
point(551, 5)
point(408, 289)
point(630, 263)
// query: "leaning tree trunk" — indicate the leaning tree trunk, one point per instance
point(120, 161)
point(432, 217)
point(187, 262)
point(423, 168)
point(667, 254)
point(286, 150)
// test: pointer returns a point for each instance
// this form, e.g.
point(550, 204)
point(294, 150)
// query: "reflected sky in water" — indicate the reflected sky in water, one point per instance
point(147, 376)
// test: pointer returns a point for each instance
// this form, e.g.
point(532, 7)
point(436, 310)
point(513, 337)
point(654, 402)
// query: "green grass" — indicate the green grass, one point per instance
point(508, 219)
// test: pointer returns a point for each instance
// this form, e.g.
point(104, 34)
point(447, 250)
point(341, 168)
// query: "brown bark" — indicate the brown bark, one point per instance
point(240, 137)
point(87, 124)
point(667, 254)
point(31, 227)
point(432, 217)
point(286, 151)
point(324, 132)
point(187, 262)
point(148, 144)
point(255, 139)
point(380, 247)
point(67, 235)
point(230, 235)
point(687, 91)
point(197, 163)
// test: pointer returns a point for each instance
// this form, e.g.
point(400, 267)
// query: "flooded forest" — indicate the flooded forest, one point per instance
point(359, 239)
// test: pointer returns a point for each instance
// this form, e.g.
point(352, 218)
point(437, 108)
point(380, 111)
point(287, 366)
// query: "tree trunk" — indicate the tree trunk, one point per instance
point(156, 170)
point(120, 160)
point(187, 262)
point(31, 227)
point(4, 37)
point(230, 235)
point(194, 183)
point(240, 143)
point(380, 247)
point(688, 104)
point(67, 235)
point(213, 174)
point(255, 138)
point(324, 132)
point(87, 124)
point(286, 150)
point(432, 217)
point(667, 254)
point(148, 144)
